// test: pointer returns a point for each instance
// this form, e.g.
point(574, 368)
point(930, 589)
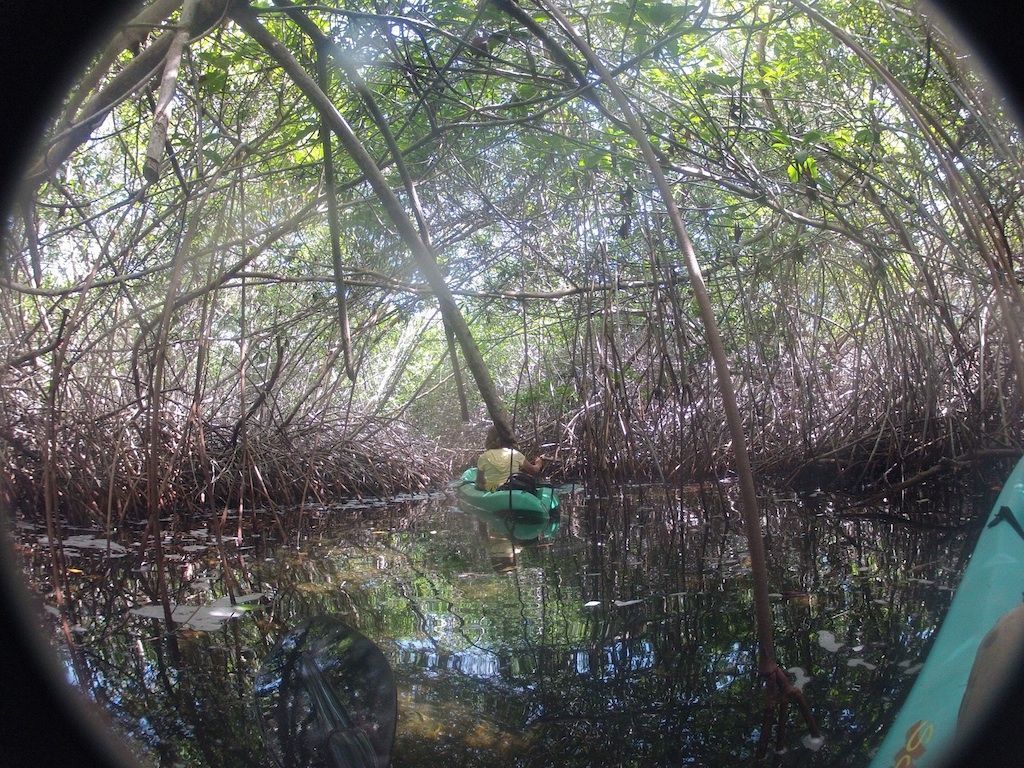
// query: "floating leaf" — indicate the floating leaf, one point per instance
point(828, 641)
point(86, 541)
point(206, 618)
point(801, 678)
point(813, 743)
point(860, 663)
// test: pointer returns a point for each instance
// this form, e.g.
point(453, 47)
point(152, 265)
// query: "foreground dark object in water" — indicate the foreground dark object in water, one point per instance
point(326, 697)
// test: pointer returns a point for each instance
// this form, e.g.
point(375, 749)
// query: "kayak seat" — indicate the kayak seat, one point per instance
point(520, 481)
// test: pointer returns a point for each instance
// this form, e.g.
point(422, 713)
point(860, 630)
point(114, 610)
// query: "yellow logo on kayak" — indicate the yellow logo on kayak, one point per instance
point(918, 736)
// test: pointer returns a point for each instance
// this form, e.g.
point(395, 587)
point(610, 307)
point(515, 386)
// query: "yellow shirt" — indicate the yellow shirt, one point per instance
point(497, 464)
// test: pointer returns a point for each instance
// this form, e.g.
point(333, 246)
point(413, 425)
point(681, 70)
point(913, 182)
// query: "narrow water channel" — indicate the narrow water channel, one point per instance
point(622, 635)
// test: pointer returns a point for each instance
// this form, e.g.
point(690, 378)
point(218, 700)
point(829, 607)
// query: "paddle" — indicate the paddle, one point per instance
point(326, 698)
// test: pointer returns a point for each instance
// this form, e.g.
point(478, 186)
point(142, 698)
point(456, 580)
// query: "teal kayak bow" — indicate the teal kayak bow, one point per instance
point(991, 586)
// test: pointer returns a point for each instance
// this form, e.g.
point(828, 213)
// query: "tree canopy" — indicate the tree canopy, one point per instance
point(273, 247)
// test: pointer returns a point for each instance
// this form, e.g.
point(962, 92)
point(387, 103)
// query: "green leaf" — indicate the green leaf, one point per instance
point(527, 91)
point(215, 79)
point(596, 159)
point(867, 136)
point(841, 137)
point(661, 14)
point(620, 13)
point(793, 172)
point(216, 59)
point(311, 154)
point(724, 81)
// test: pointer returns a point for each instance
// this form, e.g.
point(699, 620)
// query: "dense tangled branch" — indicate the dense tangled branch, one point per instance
point(853, 199)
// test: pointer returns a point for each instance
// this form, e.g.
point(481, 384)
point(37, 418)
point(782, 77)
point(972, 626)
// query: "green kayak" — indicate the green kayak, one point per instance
point(517, 529)
point(525, 506)
point(991, 586)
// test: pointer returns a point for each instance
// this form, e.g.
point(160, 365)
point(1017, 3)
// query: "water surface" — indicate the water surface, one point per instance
point(621, 636)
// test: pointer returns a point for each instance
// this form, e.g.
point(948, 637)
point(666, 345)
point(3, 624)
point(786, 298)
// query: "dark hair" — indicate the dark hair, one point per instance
point(495, 440)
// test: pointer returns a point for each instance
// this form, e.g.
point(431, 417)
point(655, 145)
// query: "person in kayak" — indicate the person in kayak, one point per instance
point(502, 466)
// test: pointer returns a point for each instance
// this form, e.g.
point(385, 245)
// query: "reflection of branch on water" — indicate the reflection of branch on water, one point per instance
point(401, 587)
point(888, 517)
point(553, 657)
point(635, 712)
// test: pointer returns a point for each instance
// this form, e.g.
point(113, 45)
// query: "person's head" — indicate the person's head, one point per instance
point(495, 440)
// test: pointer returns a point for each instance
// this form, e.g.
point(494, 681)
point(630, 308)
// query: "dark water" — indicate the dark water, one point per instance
point(622, 636)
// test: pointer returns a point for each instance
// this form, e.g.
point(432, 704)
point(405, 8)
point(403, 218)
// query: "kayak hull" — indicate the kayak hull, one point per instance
point(991, 586)
point(526, 507)
point(514, 527)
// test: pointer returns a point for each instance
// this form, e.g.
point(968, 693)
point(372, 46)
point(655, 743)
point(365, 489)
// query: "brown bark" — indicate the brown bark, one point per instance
point(325, 46)
point(131, 35)
point(168, 82)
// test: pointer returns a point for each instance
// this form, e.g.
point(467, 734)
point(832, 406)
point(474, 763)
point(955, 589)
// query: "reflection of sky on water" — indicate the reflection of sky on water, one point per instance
point(472, 662)
point(620, 656)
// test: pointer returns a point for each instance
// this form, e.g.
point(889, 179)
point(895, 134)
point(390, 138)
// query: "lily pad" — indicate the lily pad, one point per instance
point(624, 603)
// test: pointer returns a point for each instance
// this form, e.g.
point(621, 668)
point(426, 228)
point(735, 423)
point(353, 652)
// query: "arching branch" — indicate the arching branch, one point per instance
point(426, 259)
